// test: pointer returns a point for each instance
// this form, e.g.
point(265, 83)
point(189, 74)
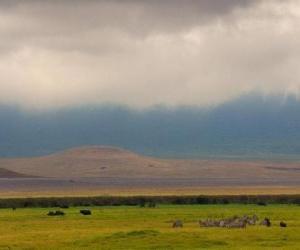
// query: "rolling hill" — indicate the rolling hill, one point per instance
point(102, 161)
point(4, 173)
point(94, 161)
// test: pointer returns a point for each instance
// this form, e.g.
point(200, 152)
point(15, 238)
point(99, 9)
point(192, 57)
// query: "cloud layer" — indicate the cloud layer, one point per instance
point(141, 53)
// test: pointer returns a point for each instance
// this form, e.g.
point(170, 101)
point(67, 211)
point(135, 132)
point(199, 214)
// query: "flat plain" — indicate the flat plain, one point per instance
point(132, 227)
point(102, 170)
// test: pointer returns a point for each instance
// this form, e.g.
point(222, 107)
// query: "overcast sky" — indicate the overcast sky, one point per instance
point(139, 53)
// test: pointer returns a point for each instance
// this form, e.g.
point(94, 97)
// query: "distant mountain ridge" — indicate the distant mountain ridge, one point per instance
point(252, 126)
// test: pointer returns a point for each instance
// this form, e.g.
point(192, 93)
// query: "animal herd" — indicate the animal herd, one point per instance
point(232, 222)
point(62, 213)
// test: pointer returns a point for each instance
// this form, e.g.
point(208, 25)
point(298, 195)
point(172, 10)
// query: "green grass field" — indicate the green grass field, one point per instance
point(147, 228)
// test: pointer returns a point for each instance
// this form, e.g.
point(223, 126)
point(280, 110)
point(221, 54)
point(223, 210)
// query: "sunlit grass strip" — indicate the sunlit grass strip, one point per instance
point(128, 227)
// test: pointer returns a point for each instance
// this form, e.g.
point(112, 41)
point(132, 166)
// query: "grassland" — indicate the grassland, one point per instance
point(150, 191)
point(123, 227)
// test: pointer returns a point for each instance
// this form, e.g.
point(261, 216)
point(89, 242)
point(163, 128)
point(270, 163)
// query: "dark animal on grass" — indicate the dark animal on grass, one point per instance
point(282, 224)
point(60, 213)
point(56, 213)
point(177, 223)
point(266, 222)
point(85, 212)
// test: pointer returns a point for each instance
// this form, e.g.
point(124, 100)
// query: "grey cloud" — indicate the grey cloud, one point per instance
point(136, 16)
point(144, 53)
point(77, 24)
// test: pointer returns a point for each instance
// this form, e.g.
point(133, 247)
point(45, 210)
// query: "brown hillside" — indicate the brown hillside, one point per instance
point(88, 162)
point(4, 173)
point(100, 161)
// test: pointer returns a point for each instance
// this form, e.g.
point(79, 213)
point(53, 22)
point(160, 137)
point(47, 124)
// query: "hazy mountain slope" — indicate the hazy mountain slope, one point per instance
point(250, 127)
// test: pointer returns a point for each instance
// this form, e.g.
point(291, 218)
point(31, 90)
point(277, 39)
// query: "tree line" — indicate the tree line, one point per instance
point(147, 201)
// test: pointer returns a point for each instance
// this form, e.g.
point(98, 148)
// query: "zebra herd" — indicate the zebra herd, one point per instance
point(232, 222)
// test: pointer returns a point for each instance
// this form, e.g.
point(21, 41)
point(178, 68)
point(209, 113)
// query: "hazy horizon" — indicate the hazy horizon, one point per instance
point(251, 126)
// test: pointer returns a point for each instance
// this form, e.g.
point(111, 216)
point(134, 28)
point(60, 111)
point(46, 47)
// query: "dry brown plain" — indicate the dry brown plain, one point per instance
point(100, 170)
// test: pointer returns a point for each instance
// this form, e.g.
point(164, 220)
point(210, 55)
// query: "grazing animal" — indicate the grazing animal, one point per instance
point(250, 220)
point(51, 213)
point(209, 223)
point(237, 224)
point(231, 222)
point(59, 212)
point(255, 218)
point(85, 212)
point(177, 223)
point(282, 224)
point(56, 213)
point(222, 223)
point(266, 222)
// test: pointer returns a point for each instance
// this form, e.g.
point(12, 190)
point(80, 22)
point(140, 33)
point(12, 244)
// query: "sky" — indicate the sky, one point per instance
point(139, 53)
